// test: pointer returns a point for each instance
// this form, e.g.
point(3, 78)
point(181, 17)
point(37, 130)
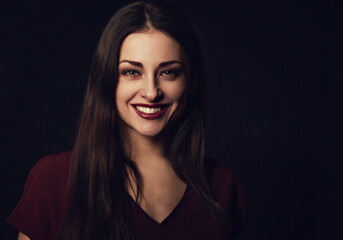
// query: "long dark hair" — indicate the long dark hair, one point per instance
point(97, 197)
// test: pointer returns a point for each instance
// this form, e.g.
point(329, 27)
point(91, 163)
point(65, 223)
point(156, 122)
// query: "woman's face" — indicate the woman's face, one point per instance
point(151, 82)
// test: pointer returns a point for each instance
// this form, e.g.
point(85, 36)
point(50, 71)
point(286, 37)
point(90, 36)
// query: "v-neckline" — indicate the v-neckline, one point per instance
point(166, 219)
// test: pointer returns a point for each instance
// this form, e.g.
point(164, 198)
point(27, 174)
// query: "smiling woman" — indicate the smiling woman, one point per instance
point(151, 85)
point(137, 170)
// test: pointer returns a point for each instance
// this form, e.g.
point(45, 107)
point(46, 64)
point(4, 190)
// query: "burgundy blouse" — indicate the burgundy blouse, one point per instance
point(42, 207)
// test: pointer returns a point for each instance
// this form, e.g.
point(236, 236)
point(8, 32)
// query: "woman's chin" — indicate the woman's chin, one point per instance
point(151, 132)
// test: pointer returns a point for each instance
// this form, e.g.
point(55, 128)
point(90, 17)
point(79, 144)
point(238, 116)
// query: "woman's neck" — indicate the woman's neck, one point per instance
point(145, 149)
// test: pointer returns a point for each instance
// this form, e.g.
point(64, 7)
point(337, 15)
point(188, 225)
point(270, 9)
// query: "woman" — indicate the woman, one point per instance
point(137, 170)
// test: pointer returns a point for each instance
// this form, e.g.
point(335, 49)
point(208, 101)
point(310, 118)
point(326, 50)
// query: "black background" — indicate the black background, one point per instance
point(275, 100)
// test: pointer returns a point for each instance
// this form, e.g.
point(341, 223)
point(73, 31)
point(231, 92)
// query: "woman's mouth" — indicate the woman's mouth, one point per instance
point(150, 112)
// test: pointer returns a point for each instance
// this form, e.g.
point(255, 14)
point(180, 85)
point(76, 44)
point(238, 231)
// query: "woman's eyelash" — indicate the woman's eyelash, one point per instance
point(165, 73)
point(129, 72)
point(168, 72)
point(174, 73)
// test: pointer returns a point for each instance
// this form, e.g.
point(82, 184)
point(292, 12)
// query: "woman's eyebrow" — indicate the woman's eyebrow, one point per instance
point(138, 64)
point(162, 64)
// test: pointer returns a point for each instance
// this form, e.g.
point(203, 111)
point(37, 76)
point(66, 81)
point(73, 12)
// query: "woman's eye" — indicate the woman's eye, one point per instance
point(169, 74)
point(130, 73)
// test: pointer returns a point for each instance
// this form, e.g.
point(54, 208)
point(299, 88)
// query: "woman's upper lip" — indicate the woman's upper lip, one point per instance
point(155, 105)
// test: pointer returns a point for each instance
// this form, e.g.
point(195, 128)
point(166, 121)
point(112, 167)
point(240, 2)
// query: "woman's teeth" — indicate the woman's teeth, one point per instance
point(148, 110)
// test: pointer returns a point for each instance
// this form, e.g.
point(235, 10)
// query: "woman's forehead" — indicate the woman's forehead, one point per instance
point(150, 46)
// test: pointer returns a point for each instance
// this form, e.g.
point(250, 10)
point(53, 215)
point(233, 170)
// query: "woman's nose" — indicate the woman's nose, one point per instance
point(151, 90)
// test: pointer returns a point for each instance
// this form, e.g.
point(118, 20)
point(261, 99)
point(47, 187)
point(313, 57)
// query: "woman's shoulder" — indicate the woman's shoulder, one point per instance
point(228, 192)
point(52, 164)
point(224, 183)
point(49, 172)
point(55, 159)
point(42, 206)
point(218, 171)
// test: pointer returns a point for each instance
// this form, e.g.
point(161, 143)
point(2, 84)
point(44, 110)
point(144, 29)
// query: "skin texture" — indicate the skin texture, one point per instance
point(151, 83)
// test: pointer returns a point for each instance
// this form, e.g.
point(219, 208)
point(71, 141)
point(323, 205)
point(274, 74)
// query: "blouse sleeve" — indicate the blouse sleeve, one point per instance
point(37, 212)
point(229, 194)
point(240, 214)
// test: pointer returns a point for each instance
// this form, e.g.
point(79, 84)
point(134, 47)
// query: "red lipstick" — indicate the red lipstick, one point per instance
point(151, 116)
